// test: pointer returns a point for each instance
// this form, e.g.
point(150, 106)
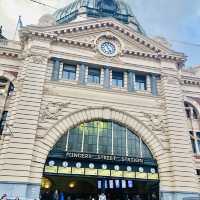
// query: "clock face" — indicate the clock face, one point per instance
point(108, 48)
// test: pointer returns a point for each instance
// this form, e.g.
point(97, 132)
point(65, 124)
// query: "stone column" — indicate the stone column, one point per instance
point(16, 178)
point(56, 69)
point(154, 89)
point(82, 70)
point(106, 77)
point(180, 182)
point(131, 81)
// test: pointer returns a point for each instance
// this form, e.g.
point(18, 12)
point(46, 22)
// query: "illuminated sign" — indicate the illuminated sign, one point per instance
point(64, 170)
point(78, 170)
point(129, 174)
point(115, 173)
point(103, 172)
point(141, 175)
point(153, 176)
point(51, 169)
point(104, 157)
point(91, 172)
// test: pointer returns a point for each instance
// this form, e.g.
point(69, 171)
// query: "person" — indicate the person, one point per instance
point(4, 197)
point(17, 198)
point(102, 197)
point(56, 195)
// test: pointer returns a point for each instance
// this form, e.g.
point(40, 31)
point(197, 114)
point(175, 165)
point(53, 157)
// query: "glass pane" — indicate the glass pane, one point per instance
point(69, 72)
point(198, 143)
point(105, 138)
point(93, 76)
point(118, 79)
point(61, 144)
point(146, 152)
point(119, 142)
point(90, 137)
point(193, 146)
point(133, 144)
point(140, 82)
point(75, 139)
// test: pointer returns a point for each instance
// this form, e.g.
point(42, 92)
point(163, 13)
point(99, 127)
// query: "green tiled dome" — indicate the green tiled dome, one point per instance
point(98, 9)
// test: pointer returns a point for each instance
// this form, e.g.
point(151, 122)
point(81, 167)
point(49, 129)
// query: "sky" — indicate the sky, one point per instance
point(176, 20)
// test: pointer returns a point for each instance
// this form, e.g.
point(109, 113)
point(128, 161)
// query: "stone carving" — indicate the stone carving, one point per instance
point(52, 110)
point(156, 121)
point(37, 59)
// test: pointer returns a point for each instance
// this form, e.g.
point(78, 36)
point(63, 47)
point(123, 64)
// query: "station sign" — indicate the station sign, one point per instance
point(99, 157)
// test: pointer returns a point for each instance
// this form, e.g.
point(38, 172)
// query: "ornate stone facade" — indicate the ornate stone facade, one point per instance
point(42, 109)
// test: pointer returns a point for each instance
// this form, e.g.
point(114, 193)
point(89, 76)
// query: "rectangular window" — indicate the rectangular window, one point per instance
point(117, 79)
point(198, 172)
point(69, 72)
point(3, 121)
point(140, 82)
point(94, 75)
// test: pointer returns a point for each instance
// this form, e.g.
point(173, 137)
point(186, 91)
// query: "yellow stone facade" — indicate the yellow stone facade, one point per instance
point(41, 110)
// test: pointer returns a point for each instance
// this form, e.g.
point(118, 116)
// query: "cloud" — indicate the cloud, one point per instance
point(173, 19)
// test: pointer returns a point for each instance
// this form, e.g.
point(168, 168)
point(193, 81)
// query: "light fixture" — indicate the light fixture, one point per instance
point(72, 184)
point(45, 183)
point(51, 163)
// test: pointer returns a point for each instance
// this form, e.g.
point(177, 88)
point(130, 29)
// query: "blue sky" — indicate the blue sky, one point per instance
point(176, 20)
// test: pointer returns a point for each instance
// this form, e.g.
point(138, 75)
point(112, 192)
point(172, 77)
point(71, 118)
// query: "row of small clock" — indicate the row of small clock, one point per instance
point(103, 166)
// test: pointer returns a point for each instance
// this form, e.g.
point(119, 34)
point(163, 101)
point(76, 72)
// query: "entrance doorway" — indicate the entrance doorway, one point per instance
point(88, 188)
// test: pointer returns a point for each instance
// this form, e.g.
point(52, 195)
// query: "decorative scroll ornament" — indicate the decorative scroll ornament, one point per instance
point(36, 59)
point(52, 111)
point(155, 121)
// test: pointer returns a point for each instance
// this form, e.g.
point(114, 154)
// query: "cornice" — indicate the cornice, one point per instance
point(55, 33)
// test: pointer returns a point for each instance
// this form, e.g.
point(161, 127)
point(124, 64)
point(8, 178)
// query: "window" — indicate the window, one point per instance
point(140, 82)
point(69, 72)
point(94, 75)
point(195, 139)
point(117, 79)
point(198, 172)
point(3, 121)
point(191, 111)
point(103, 137)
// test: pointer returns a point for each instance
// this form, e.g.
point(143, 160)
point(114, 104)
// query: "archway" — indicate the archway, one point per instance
point(106, 155)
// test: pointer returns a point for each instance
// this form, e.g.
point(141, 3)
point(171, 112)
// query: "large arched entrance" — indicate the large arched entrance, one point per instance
point(100, 157)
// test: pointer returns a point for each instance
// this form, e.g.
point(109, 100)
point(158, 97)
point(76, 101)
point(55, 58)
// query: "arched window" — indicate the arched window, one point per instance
point(103, 137)
point(195, 139)
point(6, 90)
point(191, 111)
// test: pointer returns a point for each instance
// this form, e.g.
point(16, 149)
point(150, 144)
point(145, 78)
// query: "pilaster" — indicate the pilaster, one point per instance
point(18, 159)
point(182, 172)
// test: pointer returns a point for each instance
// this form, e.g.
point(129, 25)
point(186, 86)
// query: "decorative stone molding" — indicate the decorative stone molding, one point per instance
point(37, 59)
point(156, 121)
point(52, 110)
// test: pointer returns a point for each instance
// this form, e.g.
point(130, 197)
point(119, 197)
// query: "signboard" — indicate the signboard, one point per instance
point(51, 169)
point(129, 174)
point(64, 170)
point(91, 172)
point(115, 173)
point(78, 171)
point(141, 175)
point(153, 176)
point(104, 157)
point(103, 172)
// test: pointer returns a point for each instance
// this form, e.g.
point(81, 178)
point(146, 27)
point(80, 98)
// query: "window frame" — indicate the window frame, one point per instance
point(138, 82)
point(94, 76)
point(69, 72)
point(195, 140)
point(119, 83)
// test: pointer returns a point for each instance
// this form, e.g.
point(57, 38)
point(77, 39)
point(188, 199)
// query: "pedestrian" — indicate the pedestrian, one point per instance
point(102, 197)
point(56, 195)
point(4, 197)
